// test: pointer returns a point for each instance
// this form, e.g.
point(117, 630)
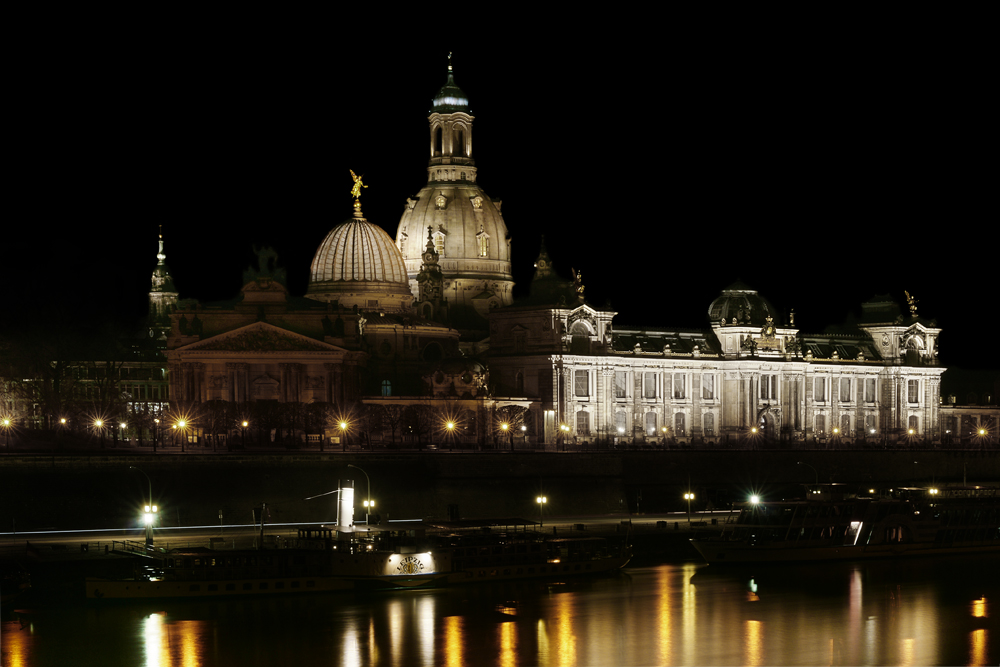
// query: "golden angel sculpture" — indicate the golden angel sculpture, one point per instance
point(356, 190)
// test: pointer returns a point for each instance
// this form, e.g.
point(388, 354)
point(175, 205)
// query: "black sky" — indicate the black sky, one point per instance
point(820, 170)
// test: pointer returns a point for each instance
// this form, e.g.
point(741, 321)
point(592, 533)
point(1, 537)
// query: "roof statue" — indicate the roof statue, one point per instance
point(356, 190)
point(912, 303)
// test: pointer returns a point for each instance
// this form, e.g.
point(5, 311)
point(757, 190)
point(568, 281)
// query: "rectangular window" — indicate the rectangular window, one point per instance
point(620, 381)
point(820, 423)
point(819, 389)
point(869, 390)
point(709, 424)
point(913, 391)
point(845, 390)
point(582, 384)
point(708, 386)
point(845, 425)
point(649, 385)
point(679, 423)
point(678, 385)
point(583, 422)
point(769, 386)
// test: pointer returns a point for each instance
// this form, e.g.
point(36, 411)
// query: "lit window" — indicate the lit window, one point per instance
point(708, 386)
point(582, 383)
point(649, 385)
point(819, 389)
point(845, 390)
point(678, 385)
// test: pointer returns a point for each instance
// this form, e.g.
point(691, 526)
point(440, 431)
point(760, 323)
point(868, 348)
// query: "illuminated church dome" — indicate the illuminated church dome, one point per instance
point(468, 232)
point(740, 302)
point(357, 264)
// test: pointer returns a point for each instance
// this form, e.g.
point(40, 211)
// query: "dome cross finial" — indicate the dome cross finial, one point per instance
point(449, 63)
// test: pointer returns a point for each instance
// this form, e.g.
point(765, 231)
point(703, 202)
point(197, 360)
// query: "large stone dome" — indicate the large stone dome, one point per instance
point(741, 302)
point(358, 264)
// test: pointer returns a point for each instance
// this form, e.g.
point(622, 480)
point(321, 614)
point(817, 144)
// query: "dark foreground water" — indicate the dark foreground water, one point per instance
point(941, 612)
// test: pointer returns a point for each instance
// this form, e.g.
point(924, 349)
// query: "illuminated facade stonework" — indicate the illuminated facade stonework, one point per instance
point(743, 379)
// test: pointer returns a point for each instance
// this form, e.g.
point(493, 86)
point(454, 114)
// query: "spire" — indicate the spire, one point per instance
point(162, 280)
point(450, 98)
point(162, 295)
point(543, 265)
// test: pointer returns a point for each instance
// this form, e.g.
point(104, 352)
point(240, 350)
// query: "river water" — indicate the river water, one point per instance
point(927, 612)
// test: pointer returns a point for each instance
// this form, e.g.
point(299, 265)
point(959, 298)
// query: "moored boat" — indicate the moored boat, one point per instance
point(352, 558)
point(906, 522)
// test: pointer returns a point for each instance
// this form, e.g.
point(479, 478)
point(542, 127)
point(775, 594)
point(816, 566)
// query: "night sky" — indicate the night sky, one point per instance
point(820, 172)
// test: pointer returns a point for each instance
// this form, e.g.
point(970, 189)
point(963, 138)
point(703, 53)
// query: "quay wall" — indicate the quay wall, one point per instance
point(77, 492)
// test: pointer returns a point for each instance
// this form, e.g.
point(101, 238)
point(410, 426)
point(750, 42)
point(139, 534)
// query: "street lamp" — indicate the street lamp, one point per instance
point(343, 436)
point(541, 500)
point(149, 515)
point(802, 463)
point(369, 503)
point(98, 424)
point(243, 428)
point(689, 497)
point(181, 426)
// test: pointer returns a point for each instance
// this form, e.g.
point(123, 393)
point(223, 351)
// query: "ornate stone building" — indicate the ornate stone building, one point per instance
point(741, 379)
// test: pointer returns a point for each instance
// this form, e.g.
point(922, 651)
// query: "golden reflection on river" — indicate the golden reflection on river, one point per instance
point(687, 614)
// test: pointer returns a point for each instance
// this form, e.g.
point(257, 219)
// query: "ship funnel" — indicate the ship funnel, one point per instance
point(345, 503)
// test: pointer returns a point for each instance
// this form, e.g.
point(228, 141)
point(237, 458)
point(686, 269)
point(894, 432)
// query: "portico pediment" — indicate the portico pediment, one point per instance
point(260, 337)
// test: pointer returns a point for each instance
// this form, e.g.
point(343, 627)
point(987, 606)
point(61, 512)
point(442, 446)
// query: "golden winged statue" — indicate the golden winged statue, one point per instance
point(356, 190)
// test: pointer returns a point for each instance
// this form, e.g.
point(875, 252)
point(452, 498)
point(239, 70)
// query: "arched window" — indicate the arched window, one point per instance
point(583, 422)
point(650, 423)
point(459, 147)
point(439, 243)
point(709, 424)
point(621, 426)
point(679, 423)
point(437, 142)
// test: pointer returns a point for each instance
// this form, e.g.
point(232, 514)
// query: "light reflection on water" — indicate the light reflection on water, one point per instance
point(932, 612)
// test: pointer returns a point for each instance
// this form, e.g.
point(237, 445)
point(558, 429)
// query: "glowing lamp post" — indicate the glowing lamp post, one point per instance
point(450, 430)
point(6, 428)
point(182, 426)
point(369, 503)
point(99, 425)
point(243, 428)
point(505, 427)
point(150, 510)
point(541, 500)
point(343, 436)
point(689, 497)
